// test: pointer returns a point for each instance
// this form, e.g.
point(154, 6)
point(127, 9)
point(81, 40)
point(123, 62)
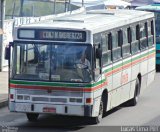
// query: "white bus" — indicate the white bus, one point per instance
point(47, 74)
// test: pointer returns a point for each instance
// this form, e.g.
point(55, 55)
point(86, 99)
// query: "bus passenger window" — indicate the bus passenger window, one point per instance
point(129, 35)
point(143, 32)
point(120, 38)
point(114, 40)
point(96, 38)
point(135, 38)
point(116, 49)
point(126, 45)
point(152, 27)
point(104, 41)
point(106, 52)
point(137, 32)
point(150, 34)
point(125, 36)
point(149, 29)
point(143, 36)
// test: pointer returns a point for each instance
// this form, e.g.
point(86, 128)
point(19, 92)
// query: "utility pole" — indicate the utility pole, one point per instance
point(2, 15)
point(55, 6)
point(82, 3)
point(21, 8)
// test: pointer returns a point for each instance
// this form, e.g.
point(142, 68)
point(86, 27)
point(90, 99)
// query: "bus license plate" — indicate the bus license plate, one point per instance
point(49, 109)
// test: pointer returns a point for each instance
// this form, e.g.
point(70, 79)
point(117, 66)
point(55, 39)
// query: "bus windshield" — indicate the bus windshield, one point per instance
point(52, 62)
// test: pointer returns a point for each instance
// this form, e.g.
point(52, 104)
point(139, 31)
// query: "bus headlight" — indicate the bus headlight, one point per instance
point(26, 97)
point(75, 100)
point(20, 97)
point(23, 97)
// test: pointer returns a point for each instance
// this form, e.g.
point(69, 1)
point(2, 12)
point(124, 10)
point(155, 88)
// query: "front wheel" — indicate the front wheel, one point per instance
point(32, 117)
point(134, 101)
point(98, 119)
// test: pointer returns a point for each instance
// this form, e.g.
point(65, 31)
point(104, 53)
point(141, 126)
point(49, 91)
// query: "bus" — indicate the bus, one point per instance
point(47, 76)
point(156, 9)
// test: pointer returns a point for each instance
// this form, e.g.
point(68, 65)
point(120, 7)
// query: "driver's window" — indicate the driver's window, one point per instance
point(17, 50)
point(97, 65)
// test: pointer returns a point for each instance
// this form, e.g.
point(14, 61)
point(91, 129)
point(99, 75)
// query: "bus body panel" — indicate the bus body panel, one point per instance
point(126, 79)
point(116, 77)
point(151, 66)
point(144, 69)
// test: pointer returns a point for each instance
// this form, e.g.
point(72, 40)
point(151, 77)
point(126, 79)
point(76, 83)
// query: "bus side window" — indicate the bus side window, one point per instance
point(135, 39)
point(116, 48)
point(129, 35)
point(106, 53)
point(143, 36)
point(126, 50)
point(97, 69)
point(120, 38)
point(104, 40)
point(150, 34)
point(114, 40)
point(152, 27)
point(96, 40)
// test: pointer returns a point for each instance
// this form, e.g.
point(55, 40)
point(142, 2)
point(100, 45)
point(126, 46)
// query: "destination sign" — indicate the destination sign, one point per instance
point(53, 35)
point(59, 35)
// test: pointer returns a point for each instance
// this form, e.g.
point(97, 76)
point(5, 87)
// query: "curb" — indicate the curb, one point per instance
point(3, 103)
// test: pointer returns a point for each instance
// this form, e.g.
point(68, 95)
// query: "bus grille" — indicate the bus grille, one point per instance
point(52, 93)
point(45, 99)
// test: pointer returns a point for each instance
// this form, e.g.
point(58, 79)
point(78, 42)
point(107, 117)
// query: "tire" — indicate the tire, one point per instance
point(98, 119)
point(134, 101)
point(32, 117)
point(105, 99)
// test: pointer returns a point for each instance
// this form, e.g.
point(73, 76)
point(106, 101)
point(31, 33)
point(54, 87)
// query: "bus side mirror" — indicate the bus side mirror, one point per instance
point(7, 51)
point(99, 53)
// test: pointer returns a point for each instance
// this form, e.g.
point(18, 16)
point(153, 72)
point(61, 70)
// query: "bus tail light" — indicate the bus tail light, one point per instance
point(88, 100)
point(11, 96)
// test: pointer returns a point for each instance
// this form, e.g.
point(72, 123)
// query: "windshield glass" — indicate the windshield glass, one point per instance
point(52, 62)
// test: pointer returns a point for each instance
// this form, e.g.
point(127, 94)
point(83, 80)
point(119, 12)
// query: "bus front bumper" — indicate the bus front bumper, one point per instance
point(73, 110)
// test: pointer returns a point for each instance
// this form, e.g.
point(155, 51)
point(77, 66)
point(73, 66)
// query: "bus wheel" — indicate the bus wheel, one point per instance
point(134, 101)
point(98, 119)
point(32, 117)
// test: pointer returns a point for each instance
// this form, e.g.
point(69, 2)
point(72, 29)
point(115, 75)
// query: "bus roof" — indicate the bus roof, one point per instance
point(95, 21)
point(152, 8)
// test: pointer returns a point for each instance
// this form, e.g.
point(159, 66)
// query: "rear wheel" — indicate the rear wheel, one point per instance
point(32, 117)
point(134, 101)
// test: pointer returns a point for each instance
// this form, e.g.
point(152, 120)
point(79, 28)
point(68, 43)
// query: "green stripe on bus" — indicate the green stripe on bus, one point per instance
point(18, 82)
